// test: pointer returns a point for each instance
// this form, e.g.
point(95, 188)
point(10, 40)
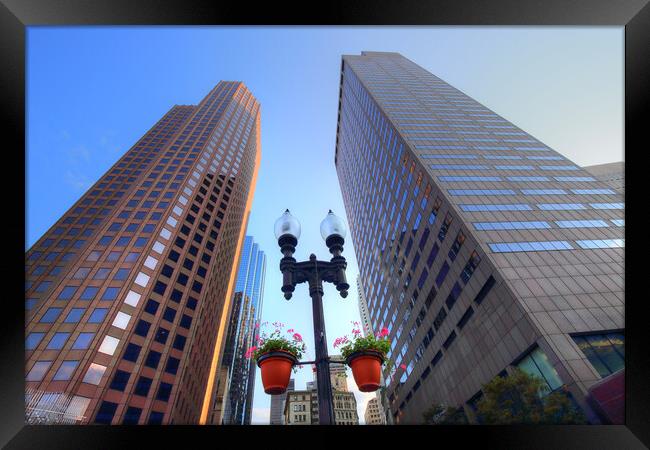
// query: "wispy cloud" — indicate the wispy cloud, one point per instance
point(64, 135)
point(105, 141)
point(77, 180)
point(78, 155)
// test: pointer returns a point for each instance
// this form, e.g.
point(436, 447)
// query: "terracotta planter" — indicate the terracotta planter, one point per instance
point(366, 369)
point(276, 370)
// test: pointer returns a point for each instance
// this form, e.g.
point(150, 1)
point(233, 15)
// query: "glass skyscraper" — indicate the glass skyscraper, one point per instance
point(128, 294)
point(242, 334)
point(363, 310)
point(479, 247)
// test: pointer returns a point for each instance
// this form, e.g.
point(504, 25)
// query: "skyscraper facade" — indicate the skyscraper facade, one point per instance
point(611, 173)
point(480, 248)
point(277, 405)
point(242, 333)
point(363, 309)
point(128, 293)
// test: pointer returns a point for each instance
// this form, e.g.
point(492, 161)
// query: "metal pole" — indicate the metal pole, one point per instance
point(325, 403)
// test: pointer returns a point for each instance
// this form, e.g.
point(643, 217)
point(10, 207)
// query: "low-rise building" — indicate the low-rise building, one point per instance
point(374, 414)
point(298, 407)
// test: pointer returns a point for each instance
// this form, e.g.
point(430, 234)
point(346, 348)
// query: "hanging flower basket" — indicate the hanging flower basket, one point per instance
point(276, 357)
point(276, 370)
point(365, 355)
point(366, 369)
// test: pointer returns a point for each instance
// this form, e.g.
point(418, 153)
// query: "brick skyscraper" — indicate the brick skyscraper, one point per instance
point(480, 248)
point(128, 294)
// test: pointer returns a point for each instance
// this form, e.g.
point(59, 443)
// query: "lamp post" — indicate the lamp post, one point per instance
point(314, 272)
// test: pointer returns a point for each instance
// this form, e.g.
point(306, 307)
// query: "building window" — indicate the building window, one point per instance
point(132, 351)
point(142, 386)
point(57, 341)
point(32, 341)
point(164, 390)
point(50, 315)
point(74, 315)
point(110, 293)
point(172, 365)
point(142, 328)
point(161, 335)
point(83, 341)
point(169, 314)
point(65, 371)
point(151, 307)
point(601, 243)
point(455, 247)
point(445, 227)
point(119, 380)
point(606, 352)
point(106, 413)
point(156, 418)
point(153, 359)
point(89, 293)
point(179, 342)
point(132, 416)
point(98, 315)
point(38, 370)
point(442, 274)
point(509, 247)
point(67, 292)
point(94, 374)
point(536, 363)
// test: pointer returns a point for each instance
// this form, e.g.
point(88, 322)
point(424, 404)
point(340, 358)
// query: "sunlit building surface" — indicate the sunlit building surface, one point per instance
point(480, 248)
point(128, 293)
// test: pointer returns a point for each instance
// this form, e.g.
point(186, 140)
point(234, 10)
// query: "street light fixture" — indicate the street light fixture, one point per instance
point(314, 272)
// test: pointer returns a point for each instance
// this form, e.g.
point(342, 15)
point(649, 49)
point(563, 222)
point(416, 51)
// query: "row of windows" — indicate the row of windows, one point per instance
point(509, 247)
point(497, 167)
point(449, 178)
point(107, 410)
point(541, 206)
point(537, 225)
point(529, 191)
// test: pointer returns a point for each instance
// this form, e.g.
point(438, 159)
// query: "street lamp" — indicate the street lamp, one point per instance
point(333, 231)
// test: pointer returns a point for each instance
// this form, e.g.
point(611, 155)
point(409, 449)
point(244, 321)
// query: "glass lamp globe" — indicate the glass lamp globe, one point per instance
point(287, 224)
point(332, 225)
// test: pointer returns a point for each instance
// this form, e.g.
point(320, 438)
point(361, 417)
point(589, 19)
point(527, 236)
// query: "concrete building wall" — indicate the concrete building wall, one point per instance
point(481, 248)
point(611, 173)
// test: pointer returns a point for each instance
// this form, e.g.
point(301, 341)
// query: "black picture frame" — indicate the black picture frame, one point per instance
point(16, 15)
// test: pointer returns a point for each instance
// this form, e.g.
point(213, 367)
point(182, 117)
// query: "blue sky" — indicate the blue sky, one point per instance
point(93, 91)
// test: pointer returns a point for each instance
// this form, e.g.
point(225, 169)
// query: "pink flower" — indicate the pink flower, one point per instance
point(290, 330)
point(402, 366)
point(356, 332)
point(250, 351)
point(340, 341)
point(383, 332)
point(297, 337)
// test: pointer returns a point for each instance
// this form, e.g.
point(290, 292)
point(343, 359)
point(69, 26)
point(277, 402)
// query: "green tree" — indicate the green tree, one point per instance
point(521, 398)
point(444, 415)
